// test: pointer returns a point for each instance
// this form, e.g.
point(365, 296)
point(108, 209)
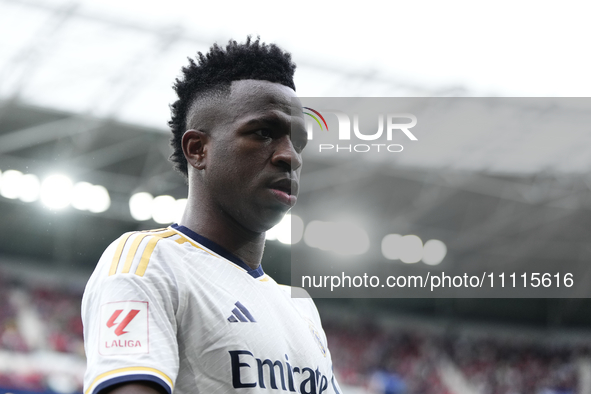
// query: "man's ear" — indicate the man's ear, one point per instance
point(194, 145)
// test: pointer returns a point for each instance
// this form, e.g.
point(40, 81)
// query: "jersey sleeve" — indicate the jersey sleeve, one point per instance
point(128, 312)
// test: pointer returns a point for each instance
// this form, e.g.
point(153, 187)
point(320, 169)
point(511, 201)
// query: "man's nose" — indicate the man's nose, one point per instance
point(286, 155)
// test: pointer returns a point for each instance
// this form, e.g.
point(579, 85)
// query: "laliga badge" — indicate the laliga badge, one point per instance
point(124, 328)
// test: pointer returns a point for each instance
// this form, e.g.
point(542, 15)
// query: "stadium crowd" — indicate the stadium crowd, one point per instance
point(41, 344)
point(403, 360)
point(40, 323)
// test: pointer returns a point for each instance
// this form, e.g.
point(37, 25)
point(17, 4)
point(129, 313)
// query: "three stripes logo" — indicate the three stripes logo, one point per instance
point(241, 314)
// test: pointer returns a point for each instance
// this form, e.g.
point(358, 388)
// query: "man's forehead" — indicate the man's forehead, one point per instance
point(247, 96)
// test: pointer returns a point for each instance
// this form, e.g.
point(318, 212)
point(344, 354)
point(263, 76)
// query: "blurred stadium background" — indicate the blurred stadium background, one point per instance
point(84, 94)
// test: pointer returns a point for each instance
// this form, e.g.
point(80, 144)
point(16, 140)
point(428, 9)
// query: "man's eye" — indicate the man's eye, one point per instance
point(263, 133)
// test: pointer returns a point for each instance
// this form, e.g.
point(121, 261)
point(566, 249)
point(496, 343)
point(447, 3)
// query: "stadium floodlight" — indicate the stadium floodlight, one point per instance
point(391, 246)
point(343, 238)
point(10, 186)
point(280, 232)
point(163, 209)
point(313, 233)
point(297, 229)
point(179, 209)
point(411, 249)
point(284, 230)
point(99, 199)
point(271, 234)
point(434, 252)
point(351, 239)
point(88, 197)
point(81, 196)
point(56, 191)
point(30, 188)
point(328, 237)
point(140, 206)
point(322, 235)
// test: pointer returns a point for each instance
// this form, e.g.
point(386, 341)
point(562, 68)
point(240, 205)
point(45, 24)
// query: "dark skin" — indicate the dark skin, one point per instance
point(135, 388)
point(237, 164)
point(244, 162)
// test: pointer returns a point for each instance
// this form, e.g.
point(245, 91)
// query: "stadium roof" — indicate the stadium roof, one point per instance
point(117, 60)
point(85, 87)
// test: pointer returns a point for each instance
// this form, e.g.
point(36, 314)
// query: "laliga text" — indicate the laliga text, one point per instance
point(441, 280)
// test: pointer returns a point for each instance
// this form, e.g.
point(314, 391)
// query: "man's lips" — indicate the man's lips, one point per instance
point(285, 190)
point(286, 185)
point(285, 198)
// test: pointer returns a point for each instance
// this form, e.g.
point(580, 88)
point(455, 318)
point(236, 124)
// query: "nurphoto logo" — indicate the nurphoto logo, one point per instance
point(391, 123)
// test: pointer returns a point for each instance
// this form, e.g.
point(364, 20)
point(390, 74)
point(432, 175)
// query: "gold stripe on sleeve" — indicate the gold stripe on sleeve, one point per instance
point(132, 251)
point(126, 371)
point(143, 265)
point(118, 251)
point(121, 246)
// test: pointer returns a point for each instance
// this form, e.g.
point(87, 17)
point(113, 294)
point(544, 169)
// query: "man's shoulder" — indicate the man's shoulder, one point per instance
point(301, 299)
point(138, 252)
point(295, 292)
point(140, 260)
point(133, 251)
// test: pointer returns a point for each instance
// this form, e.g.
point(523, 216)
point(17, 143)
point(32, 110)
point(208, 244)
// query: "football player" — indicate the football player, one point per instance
point(188, 308)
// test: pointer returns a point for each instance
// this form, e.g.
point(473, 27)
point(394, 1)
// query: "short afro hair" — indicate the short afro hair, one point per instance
point(216, 70)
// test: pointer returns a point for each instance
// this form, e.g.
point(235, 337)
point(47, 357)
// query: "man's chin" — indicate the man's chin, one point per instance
point(271, 218)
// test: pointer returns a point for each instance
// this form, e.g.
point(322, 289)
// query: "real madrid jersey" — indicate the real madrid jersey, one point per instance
point(172, 307)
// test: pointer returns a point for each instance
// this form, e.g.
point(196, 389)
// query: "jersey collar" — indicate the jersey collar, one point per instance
point(209, 244)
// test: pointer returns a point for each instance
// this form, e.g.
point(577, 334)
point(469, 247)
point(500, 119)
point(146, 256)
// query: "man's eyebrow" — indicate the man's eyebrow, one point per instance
point(268, 119)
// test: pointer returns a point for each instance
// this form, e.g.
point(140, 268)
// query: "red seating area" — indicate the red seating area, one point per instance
point(371, 356)
point(489, 364)
point(53, 317)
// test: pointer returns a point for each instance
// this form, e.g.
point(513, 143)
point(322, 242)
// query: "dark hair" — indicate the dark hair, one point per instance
point(215, 71)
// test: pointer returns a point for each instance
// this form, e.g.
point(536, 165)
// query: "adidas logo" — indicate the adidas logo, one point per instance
point(241, 314)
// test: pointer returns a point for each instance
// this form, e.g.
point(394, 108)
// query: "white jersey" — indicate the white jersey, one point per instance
point(172, 307)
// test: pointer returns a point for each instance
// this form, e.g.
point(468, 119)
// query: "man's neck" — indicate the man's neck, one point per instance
point(226, 232)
